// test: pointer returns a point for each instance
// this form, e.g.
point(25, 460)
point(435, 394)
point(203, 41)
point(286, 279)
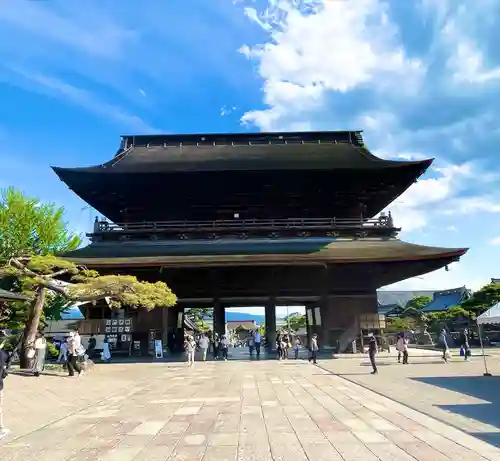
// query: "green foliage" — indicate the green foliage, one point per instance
point(397, 324)
point(52, 351)
point(415, 306)
point(122, 290)
point(119, 290)
point(296, 321)
point(482, 300)
point(28, 227)
point(55, 306)
point(198, 315)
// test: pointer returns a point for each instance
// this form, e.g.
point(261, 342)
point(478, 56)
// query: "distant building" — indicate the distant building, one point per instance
point(393, 303)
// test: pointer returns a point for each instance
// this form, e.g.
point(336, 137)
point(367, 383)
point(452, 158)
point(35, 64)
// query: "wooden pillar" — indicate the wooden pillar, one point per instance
point(270, 324)
point(179, 328)
point(219, 317)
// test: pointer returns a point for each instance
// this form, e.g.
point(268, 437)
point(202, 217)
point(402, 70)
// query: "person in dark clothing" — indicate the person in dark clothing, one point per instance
point(372, 352)
point(314, 348)
point(91, 346)
point(4, 366)
point(465, 344)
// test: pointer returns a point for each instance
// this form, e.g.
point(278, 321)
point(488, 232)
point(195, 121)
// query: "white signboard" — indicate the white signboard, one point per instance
point(158, 349)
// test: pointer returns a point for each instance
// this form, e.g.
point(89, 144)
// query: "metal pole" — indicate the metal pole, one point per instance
point(486, 373)
point(287, 319)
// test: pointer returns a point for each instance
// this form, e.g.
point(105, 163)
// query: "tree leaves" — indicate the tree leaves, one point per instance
point(28, 227)
point(84, 285)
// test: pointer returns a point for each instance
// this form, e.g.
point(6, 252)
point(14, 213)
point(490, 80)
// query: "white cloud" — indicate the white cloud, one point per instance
point(458, 36)
point(345, 65)
point(316, 47)
point(495, 241)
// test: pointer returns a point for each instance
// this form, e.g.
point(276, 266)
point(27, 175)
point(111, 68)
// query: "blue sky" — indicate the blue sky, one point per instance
point(421, 78)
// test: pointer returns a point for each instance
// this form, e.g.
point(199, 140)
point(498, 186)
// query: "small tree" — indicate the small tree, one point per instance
point(44, 273)
point(482, 300)
point(413, 310)
point(198, 315)
point(296, 321)
point(28, 227)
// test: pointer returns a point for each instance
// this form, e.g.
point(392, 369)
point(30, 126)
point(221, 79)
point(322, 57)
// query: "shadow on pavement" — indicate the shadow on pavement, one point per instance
point(479, 387)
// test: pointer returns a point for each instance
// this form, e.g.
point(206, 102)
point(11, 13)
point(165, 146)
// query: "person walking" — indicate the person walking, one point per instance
point(63, 351)
point(465, 344)
point(444, 345)
point(224, 346)
point(204, 343)
point(215, 345)
point(399, 346)
point(296, 348)
point(405, 350)
point(40, 353)
point(314, 348)
point(257, 340)
point(73, 350)
point(279, 354)
point(372, 353)
point(4, 366)
point(91, 346)
point(106, 352)
point(251, 344)
point(190, 347)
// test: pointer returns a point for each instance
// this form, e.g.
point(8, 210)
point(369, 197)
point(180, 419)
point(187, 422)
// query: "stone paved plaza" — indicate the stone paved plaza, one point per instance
point(266, 410)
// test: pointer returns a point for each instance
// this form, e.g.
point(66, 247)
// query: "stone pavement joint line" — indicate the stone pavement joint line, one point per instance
point(245, 411)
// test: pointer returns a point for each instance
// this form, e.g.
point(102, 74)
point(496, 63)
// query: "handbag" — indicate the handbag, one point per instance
point(30, 353)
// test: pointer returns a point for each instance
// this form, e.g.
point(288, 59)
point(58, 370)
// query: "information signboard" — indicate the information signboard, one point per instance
point(158, 349)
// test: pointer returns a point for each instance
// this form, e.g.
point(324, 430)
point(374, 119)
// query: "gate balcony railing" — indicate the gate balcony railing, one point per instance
point(383, 225)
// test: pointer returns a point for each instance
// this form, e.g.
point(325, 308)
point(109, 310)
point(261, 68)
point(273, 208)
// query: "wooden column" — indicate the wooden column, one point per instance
point(219, 317)
point(270, 324)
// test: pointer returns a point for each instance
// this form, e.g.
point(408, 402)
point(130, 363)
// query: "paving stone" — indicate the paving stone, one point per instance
point(279, 411)
point(220, 454)
point(185, 453)
point(197, 439)
point(149, 428)
point(223, 439)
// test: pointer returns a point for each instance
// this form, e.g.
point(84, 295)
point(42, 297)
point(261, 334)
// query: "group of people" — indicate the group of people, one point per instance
point(254, 341)
point(219, 345)
point(284, 345)
point(464, 348)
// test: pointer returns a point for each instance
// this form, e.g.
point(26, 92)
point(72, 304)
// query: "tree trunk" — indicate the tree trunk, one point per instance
point(31, 329)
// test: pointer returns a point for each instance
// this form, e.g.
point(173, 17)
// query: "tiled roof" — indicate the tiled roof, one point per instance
point(443, 300)
point(400, 298)
point(389, 309)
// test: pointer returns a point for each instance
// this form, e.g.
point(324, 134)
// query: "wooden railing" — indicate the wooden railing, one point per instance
point(242, 225)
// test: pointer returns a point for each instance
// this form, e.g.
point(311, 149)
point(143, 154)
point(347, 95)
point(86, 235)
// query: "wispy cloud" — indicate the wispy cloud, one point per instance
point(118, 53)
point(57, 88)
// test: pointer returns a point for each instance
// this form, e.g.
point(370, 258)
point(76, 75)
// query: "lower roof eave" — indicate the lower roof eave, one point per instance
point(256, 260)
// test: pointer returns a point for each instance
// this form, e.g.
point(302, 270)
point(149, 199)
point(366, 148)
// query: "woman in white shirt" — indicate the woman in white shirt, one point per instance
point(40, 352)
point(190, 348)
point(204, 343)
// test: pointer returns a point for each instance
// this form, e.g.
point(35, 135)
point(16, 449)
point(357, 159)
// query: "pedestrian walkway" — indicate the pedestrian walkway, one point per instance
point(235, 410)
